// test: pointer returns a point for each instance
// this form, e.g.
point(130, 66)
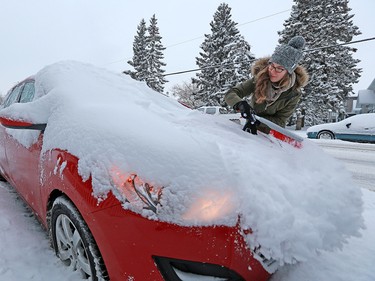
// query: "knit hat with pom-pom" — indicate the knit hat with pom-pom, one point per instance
point(289, 55)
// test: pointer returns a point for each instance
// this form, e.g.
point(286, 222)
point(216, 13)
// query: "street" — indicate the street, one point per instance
point(358, 158)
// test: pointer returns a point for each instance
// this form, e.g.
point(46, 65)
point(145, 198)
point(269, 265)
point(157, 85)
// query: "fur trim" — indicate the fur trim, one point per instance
point(302, 77)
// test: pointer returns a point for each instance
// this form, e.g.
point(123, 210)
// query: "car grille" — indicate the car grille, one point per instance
point(182, 270)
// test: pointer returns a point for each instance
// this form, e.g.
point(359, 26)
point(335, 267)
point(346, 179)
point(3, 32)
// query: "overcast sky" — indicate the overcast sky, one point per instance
point(40, 32)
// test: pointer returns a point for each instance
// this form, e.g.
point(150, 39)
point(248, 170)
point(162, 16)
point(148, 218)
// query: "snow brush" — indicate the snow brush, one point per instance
point(276, 131)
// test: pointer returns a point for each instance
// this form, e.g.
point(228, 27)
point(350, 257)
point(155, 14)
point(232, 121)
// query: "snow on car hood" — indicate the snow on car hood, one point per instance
point(296, 201)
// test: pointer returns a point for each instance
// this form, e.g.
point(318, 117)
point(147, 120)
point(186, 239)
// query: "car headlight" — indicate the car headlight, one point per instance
point(211, 205)
point(135, 191)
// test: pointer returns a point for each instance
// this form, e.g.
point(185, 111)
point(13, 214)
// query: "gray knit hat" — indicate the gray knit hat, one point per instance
point(289, 55)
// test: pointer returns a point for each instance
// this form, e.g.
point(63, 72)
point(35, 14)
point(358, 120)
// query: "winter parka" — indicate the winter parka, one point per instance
point(277, 111)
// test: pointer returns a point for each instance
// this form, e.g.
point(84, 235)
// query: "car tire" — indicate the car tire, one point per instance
point(82, 254)
point(327, 135)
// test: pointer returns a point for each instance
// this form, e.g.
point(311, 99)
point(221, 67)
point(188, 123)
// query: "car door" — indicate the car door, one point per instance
point(360, 128)
point(365, 127)
point(11, 97)
point(22, 149)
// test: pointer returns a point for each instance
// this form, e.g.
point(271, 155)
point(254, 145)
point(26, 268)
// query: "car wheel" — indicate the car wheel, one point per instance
point(73, 241)
point(326, 135)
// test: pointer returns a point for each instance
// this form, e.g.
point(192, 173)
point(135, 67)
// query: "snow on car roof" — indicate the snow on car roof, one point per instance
point(296, 201)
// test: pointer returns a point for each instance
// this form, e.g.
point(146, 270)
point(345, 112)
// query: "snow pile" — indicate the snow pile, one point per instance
point(296, 201)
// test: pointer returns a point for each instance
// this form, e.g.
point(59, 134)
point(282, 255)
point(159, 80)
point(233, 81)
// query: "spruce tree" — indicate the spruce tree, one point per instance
point(139, 61)
point(332, 70)
point(225, 60)
point(155, 79)
point(148, 55)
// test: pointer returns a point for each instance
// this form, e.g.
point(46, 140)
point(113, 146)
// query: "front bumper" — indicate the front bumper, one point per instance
point(135, 247)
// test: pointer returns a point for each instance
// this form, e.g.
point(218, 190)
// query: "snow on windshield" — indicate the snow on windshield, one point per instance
point(296, 201)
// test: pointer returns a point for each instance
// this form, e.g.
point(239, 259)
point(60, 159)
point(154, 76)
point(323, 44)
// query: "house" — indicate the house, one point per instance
point(366, 99)
point(351, 104)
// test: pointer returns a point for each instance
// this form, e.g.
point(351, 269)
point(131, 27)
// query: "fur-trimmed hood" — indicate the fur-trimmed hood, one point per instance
point(302, 77)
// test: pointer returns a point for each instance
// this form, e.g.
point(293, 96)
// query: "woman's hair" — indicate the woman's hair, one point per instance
point(262, 82)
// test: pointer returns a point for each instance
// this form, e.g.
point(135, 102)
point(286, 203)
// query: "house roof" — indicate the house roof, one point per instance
point(372, 86)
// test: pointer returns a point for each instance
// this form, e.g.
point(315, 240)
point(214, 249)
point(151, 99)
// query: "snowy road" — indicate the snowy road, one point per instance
point(358, 158)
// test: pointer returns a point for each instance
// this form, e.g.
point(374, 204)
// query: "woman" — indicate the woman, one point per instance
point(275, 86)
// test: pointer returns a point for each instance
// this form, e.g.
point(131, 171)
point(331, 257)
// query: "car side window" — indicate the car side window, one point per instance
point(13, 96)
point(28, 92)
point(211, 110)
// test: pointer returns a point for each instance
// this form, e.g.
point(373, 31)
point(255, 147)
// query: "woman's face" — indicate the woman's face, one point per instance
point(276, 72)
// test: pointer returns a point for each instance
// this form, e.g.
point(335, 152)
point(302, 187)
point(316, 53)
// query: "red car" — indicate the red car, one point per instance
point(115, 234)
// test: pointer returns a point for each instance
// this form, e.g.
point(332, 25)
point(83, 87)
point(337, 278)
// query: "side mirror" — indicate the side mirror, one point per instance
point(17, 124)
point(348, 125)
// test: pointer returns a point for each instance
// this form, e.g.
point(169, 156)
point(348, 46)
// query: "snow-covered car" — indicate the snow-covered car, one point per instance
point(213, 110)
point(358, 128)
point(223, 113)
point(132, 185)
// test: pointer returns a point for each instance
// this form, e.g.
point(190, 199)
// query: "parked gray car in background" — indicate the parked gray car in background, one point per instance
point(358, 128)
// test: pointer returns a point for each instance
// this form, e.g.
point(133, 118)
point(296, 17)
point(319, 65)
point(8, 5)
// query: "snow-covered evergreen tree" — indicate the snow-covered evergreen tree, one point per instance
point(148, 55)
point(155, 49)
point(225, 60)
point(333, 70)
point(139, 61)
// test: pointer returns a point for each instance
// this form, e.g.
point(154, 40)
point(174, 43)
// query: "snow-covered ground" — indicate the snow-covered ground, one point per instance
point(25, 253)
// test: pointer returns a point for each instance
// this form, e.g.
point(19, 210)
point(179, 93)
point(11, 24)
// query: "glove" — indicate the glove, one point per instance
point(244, 108)
point(251, 126)
point(248, 113)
